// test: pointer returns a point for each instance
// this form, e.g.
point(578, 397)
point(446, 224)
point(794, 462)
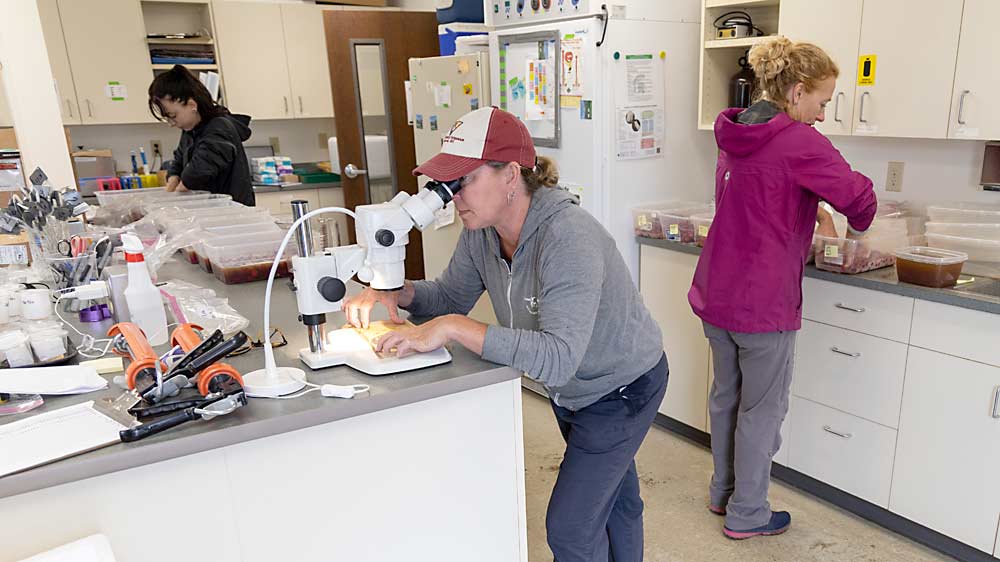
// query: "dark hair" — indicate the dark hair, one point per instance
point(178, 84)
point(544, 174)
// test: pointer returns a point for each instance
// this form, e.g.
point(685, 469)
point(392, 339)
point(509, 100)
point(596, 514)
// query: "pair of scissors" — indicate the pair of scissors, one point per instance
point(72, 247)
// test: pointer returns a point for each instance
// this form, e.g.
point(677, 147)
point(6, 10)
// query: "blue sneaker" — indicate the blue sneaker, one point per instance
point(779, 523)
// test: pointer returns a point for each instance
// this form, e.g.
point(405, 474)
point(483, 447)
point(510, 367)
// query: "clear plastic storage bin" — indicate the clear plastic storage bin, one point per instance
point(930, 267)
point(668, 220)
point(847, 255)
point(702, 222)
point(964, 213)
point(246, 262)
point(982, 231)
point(984, 255)
point(265, 234)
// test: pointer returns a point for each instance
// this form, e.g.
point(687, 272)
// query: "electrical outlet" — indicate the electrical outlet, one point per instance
point(155, 146)
point(894, 177)
point(275, 144)
point(323, 138)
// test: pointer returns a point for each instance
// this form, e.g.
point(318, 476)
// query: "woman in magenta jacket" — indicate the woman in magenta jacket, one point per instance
point(773, 170)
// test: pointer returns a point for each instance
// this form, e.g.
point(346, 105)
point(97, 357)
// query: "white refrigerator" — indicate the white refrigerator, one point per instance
point(440, 91)
point(611, 95)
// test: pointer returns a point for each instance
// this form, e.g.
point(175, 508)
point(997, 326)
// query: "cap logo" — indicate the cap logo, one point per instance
point(450, 137)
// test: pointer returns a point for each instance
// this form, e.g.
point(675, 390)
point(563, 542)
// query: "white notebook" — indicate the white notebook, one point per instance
point(55, 435)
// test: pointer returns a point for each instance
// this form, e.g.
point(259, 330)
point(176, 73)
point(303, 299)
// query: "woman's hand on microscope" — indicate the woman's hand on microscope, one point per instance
point(358, 307)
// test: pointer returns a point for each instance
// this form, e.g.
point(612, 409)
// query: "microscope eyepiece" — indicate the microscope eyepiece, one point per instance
point(445, 190)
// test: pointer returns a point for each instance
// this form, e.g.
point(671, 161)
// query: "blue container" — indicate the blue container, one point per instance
point(448, 33)
point(467, 11)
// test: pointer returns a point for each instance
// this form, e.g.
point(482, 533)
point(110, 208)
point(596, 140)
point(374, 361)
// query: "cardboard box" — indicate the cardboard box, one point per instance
point(94, 163)
point(14, 249)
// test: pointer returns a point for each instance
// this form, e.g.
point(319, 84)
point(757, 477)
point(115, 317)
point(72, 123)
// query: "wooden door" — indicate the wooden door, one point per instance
point(398, 36)
point(974, 112)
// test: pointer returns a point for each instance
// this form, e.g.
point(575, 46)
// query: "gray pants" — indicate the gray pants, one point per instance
point(749, 400)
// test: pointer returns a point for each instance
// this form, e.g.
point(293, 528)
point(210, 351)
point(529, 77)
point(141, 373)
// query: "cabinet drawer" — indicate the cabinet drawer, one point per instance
point(957, 331)
point(871, 312)
point(845, 451)
point(856, 373)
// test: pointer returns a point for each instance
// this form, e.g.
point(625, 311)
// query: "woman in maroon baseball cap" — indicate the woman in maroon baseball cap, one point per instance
point(569, 317)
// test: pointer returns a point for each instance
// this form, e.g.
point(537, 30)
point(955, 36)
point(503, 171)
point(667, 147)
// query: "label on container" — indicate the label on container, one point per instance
point(14, 255)
point(831, 251)
point(702, 231)
point(644, 223)
point(675, 229)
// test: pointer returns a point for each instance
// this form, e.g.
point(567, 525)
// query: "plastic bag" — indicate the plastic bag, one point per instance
point(197, 305)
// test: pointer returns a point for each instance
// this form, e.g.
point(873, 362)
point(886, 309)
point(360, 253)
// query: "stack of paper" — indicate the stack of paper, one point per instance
point(69, 379)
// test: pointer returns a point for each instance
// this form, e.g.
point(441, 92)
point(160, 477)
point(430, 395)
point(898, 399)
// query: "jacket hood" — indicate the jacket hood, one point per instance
point(241, 123)
point(741, 140)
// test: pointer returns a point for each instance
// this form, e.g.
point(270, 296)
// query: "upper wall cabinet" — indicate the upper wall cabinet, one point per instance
point(109, 60)
point(308, 66)
point(55, 44)
point(835, 26)
point(974, 111)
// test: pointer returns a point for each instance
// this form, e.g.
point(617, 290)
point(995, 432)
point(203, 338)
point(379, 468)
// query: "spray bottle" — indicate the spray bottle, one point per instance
point(145, 304)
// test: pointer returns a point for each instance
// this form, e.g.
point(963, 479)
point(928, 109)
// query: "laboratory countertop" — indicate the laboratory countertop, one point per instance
point(261, 417)
point(293, 187)
point(982, 294)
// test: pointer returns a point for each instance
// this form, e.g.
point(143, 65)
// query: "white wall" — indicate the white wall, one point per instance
point(297, 138)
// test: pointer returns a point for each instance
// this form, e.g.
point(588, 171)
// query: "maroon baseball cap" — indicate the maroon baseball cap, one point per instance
point(484, 135)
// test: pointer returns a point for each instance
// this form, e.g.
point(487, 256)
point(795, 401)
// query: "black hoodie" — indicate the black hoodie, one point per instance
point(211, 157)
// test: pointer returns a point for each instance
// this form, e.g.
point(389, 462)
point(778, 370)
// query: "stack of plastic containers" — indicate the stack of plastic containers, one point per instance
point(244, 260)
point(969, 228)
point(669, 220)
point(876, 249)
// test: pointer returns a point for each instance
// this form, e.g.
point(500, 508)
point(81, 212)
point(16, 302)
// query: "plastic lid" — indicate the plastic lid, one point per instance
point(12, 339)
point(935, 256)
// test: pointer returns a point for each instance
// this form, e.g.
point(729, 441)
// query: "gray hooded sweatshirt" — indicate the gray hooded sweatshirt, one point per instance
point(570, 316)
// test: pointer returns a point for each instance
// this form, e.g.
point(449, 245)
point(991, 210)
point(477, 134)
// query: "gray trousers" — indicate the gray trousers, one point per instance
point(748, 402)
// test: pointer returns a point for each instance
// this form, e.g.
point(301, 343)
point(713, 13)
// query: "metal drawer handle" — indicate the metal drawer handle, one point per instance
point(996, 403)
point(836, 108)
point(285, 98)
point(861, 116)
point(90, 112)
point(835, 349)
point(843, 306)
point(829, 429)
point(961, 107)
point(301, 110)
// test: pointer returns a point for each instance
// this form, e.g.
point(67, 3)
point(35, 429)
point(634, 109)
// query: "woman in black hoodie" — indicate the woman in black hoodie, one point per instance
point(210, 154)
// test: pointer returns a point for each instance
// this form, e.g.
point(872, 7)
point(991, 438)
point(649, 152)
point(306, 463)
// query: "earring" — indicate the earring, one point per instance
point(510, 197)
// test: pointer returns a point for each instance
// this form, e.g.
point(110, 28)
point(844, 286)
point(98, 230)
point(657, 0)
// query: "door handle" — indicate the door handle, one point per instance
point(996, 403)
point(69, 107)
point(300, 106)
point(836, 108)
point(961, 107)
point(842, 435)
point(285, 98)
point(861, 113)
point(353, 171)
point(842, 306)
point(90, 110)
point(836, 349)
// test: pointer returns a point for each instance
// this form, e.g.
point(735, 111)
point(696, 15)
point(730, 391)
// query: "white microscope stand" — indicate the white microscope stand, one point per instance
point(347, 347)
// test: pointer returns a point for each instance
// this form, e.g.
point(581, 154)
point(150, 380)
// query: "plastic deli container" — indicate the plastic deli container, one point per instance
point(14, 346)
point(984, 255)
point(848, 255)
point(930, 267)
point(964, 213)
point(242, 237)
point(247, 261)
point(702, 223)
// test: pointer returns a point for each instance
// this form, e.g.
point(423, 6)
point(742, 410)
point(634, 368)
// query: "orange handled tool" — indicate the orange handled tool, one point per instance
point(212, 377)
point(136, 348)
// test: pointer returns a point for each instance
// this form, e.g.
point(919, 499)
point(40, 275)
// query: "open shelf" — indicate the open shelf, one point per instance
point(743, 42)
point(740, 4)
point(187, 41)
point(187, 66)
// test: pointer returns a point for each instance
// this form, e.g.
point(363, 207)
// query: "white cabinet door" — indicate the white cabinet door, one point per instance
point(308, 67)
point(110, 64)
point(915, 44)
point(253, 61)
point(5, 118)
point(948, 450)
point(833, 25)
point(55, 44)
point(664, 280)
point(973, 103)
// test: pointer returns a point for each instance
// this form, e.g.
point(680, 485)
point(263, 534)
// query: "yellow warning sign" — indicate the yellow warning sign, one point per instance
point(866, 70)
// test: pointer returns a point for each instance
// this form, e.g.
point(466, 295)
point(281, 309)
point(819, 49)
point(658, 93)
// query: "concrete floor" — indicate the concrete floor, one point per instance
point(674, 474)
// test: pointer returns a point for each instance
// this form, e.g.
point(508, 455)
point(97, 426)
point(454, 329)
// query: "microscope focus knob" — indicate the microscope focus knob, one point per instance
point(331, 288)
point(385, 237)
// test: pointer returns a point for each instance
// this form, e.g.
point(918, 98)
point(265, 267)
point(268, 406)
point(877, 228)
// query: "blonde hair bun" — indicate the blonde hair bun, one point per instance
point(779, 64)
point(769, 58)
